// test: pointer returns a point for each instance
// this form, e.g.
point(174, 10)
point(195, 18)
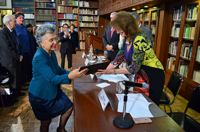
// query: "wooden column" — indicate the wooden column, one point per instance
point(163, 33)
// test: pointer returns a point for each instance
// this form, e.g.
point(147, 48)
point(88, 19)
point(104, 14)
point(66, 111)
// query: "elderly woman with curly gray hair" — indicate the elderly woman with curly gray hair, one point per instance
point(45, 96)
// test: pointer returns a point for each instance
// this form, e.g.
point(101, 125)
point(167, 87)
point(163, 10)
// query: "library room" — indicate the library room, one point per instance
point(119, 65)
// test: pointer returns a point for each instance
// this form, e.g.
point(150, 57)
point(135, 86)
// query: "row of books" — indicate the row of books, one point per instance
point(29, 21)
point(153, 28)
point(45, 0)
point(153, 15)
point(189, 32)
point(82, 45)
point(171, 63)
point(88, 11)
point(62, 9)
point(68, 22)
point(84, 4)
point(89, 18)
point(41, 23)
point(22, 0)
point(175, 29)
point(146, 16)
point(192, 12)
point(186, 50)
point(141, 15)
point(6, 12)
point(196, 76)
point(198, 54)
point(82, 35)
point(68, 2)
point(22, 4)
point(42, 17)
point(173, 47)
point(94, 24)
point(45, 12)
point(183, 68)
point(45, 5)
point(177, 13)
point(67, 16)
point(26, 16)
point(17, 9)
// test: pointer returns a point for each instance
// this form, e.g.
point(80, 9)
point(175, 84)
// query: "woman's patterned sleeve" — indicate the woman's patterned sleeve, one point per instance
point(119, 57)
point(139, 47)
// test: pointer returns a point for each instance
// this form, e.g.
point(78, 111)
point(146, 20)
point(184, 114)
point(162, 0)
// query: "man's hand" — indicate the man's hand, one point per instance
point(20, 58)
point(76, 49)
point(109, 48)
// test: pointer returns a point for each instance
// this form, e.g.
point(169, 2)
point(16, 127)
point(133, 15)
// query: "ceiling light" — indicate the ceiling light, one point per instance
point(145, 6)
point(133, 9)
point(154, 7)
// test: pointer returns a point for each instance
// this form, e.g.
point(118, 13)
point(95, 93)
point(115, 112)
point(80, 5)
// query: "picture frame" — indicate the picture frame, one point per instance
point(2, 2)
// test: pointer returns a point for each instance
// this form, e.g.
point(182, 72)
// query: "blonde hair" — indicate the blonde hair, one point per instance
point(125, 21)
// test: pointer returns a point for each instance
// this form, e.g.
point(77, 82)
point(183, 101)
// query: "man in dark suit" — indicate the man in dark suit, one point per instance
point(66, 46)
point(74, 38)
point(146, 30)
point(11, 54)
point(110, 40)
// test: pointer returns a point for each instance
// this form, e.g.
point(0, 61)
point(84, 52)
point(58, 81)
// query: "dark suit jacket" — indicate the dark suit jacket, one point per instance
point(66, 44)
point(148, 33)
point(8, 48)
point(111, 41)
point(74, 40)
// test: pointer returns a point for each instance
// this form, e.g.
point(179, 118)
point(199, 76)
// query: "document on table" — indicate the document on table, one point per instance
point(136, 105)
point(103, 85)
point(113, 78)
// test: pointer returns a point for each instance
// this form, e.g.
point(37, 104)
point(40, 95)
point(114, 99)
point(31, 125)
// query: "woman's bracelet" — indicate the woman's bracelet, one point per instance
point(115, 71)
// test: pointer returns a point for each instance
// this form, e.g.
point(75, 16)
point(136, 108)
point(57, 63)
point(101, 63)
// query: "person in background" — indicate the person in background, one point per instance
point(23, 36)
point(66, 46)
point(33, 47)
point(45, 95)
point(111, 39)
point(11, 54)
point(1, 26)
point(75, 38)
point(140, 57)
point(146, 30)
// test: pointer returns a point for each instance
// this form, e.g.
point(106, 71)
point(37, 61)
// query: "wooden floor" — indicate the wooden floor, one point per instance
point(20, 117)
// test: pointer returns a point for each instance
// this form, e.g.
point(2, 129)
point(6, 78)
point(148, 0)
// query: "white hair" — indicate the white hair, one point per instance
point(113, 13)
point(7, 18)
point(44, 29)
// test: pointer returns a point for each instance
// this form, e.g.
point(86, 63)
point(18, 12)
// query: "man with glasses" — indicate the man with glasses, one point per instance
point(66, 46)
point(110, 40)
point(11, 54)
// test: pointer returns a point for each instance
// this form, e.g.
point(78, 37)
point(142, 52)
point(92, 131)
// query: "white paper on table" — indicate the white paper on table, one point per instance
point(114, 78)
point(103, 85)
point(103, 98)
point(136, 105)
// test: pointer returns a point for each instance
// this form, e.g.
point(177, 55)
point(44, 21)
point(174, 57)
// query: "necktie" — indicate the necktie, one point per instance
point(112, 32)
point(16, 41)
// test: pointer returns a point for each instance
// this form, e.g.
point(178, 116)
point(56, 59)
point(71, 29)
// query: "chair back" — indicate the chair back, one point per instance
point(194, 101)
point(175, 82)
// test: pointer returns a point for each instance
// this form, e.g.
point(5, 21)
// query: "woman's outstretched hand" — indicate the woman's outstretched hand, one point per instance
point(77, 73)
point(106, 71)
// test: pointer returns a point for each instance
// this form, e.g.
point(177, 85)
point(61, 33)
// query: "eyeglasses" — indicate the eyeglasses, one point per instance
point(51, 40)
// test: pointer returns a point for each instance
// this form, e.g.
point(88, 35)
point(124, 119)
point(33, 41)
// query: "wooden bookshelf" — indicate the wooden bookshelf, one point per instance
point(150, 19)
point(187, 43)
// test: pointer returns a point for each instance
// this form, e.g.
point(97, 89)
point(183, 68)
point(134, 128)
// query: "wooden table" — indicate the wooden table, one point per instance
point(89, 116)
